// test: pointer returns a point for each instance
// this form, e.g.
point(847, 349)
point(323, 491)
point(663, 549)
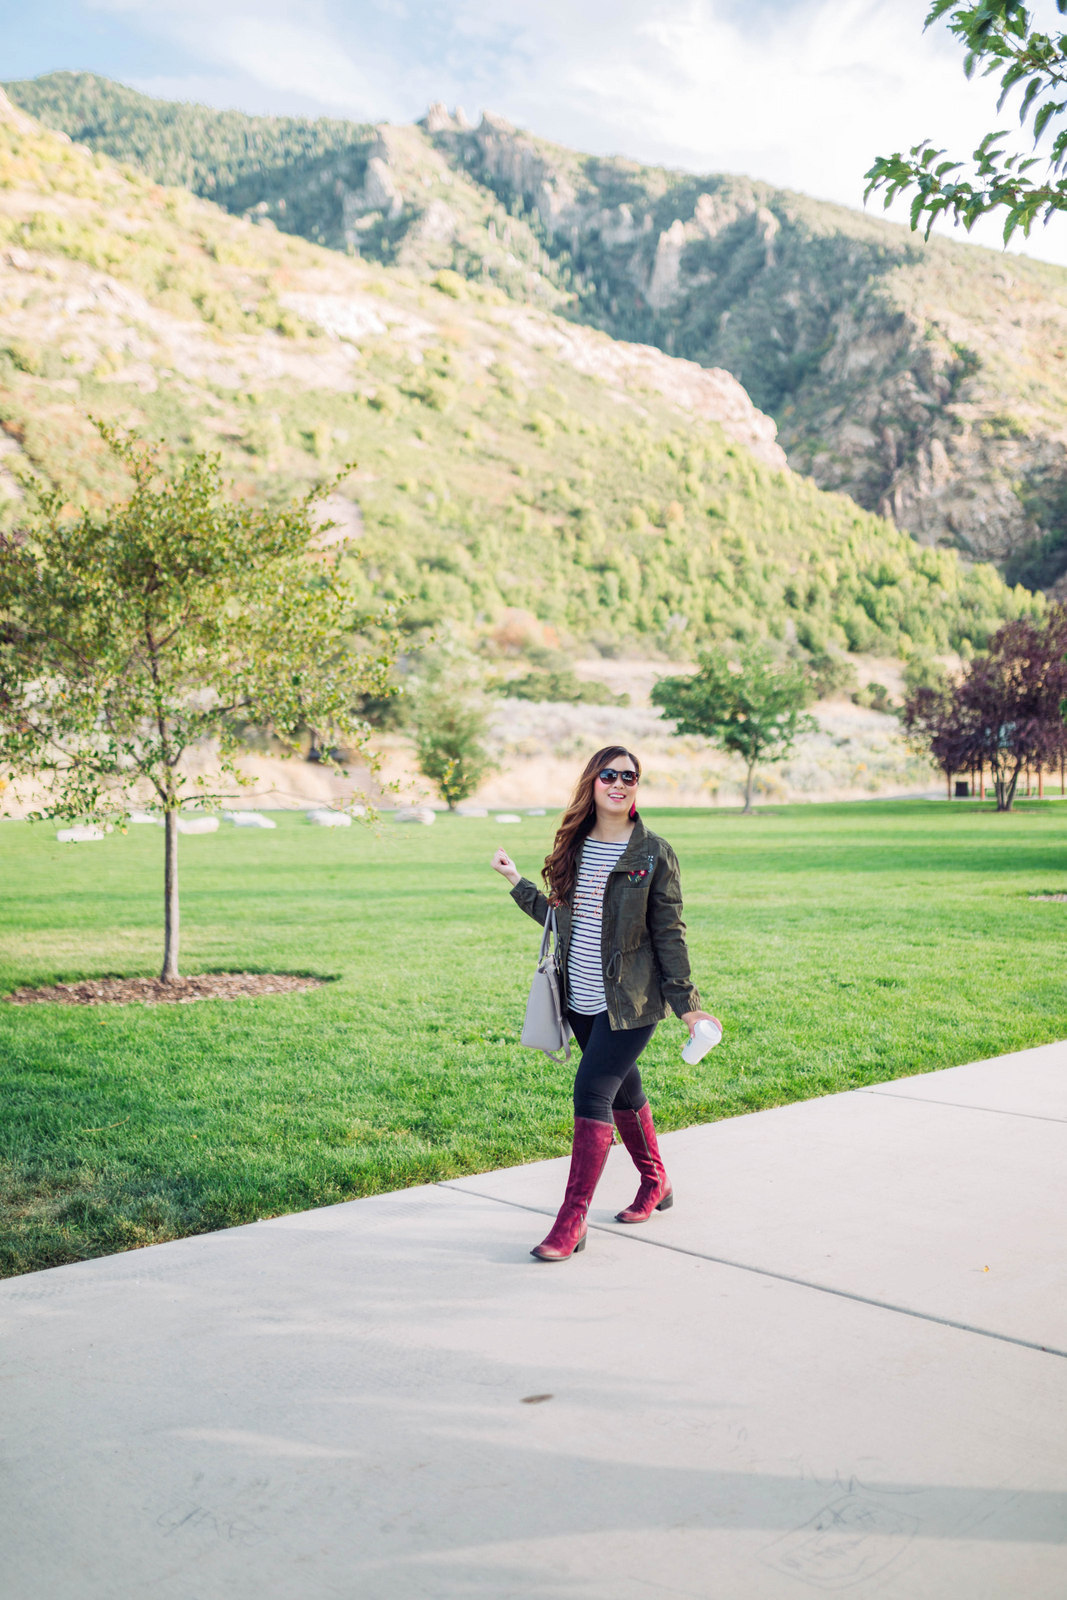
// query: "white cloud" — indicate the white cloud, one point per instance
point(294, 53)
point(289, 56)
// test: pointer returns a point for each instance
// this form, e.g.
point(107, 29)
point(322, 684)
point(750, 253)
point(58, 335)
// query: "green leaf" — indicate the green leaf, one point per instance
point(1045, 114)
point(1033, 89)
point(1014, 73)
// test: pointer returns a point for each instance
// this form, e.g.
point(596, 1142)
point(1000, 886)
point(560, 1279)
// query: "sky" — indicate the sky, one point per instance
point(801, 93)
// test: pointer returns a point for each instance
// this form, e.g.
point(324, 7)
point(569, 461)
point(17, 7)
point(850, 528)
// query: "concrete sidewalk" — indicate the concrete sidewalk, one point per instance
point(839, 1364)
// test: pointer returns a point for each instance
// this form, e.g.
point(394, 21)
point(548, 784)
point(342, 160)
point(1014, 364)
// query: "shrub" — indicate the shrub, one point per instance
point(830, 674)
point(562, 686)
point(449, 743)
point(875, 697)
point(385, 399)
point(542, 425)
point(450, 283)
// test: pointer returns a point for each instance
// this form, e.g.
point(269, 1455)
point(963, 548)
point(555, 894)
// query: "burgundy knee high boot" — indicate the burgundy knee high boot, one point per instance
point(638, 1134)
point(592, 1141)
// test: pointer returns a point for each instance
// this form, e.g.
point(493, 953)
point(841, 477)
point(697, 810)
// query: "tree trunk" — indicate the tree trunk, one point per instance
point(170, 900)
point(748, 789)
point(948, 785)
point(1005, 790)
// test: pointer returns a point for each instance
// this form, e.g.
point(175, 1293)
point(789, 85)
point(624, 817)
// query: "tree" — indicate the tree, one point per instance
point(449, 743)
point(750, 706)
point(178, 616)
point(998, 36)
point(940, 725)
point(444, 695)
point(1005, 711)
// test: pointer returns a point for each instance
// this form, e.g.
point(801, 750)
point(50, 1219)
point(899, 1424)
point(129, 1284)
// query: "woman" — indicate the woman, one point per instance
point(624, 967)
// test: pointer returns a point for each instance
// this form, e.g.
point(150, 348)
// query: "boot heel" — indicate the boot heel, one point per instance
point(581, 1243)
point(666, 1203)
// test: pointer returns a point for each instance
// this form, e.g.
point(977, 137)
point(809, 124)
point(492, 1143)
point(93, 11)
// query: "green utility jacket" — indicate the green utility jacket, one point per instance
point(646, 963)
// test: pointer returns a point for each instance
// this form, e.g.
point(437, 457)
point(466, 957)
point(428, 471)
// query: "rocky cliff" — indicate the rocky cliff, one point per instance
point(927, 381)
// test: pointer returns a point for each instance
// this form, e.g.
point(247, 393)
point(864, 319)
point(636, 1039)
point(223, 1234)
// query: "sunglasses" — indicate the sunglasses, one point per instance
point(608, 775)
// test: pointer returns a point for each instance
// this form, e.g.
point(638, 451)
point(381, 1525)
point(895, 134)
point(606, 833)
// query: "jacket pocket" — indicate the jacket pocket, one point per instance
point(631, 915)
point(638, 979)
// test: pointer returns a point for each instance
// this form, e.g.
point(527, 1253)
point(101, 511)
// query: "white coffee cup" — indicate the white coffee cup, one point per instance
point(704, 1037)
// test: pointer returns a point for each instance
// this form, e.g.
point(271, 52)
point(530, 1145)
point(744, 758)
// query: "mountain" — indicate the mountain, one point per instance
point(514, 471)
point(381, 192)
point(929, 382)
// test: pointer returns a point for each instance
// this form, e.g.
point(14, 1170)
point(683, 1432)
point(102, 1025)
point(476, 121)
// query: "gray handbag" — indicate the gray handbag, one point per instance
point(545, 1027)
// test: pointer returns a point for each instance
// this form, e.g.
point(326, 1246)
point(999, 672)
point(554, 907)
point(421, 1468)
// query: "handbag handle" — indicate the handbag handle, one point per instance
point(551, 932)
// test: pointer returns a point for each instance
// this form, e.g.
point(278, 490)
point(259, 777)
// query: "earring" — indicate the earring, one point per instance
point(633, 809)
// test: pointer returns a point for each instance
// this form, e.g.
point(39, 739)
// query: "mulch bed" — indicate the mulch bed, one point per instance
point(153, 992)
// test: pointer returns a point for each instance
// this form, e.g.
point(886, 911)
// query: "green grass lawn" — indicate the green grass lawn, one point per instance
point(840, 945)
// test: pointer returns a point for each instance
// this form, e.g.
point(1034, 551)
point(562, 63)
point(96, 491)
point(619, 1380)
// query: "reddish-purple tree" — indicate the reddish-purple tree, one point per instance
point(940, 726)
point(1005, 711)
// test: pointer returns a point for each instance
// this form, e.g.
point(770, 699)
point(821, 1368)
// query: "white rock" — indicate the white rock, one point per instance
point(472, 811)
point(437, 119)
point(329, 819)
point(82, 834)
point(252, 819)
point(198, 824)
point(424, 814)
point(145, 817)
point(507, 816)
point(662, 286)
point(538, 811)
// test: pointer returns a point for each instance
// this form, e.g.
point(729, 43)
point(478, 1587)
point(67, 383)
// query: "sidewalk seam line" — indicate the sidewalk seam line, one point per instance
point(768, 1272)
point(925, 1100)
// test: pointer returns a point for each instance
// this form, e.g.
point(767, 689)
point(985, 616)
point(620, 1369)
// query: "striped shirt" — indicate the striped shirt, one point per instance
point(585, 963)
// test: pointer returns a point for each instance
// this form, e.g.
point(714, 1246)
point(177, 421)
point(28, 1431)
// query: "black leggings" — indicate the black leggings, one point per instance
point(608, 1075)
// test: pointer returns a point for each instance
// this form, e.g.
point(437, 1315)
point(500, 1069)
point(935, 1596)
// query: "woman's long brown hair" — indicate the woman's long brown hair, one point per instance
point(561, 863)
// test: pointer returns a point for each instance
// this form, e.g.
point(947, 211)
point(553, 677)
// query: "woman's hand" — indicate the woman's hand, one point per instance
point(503, 864)
point(691, 1018)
